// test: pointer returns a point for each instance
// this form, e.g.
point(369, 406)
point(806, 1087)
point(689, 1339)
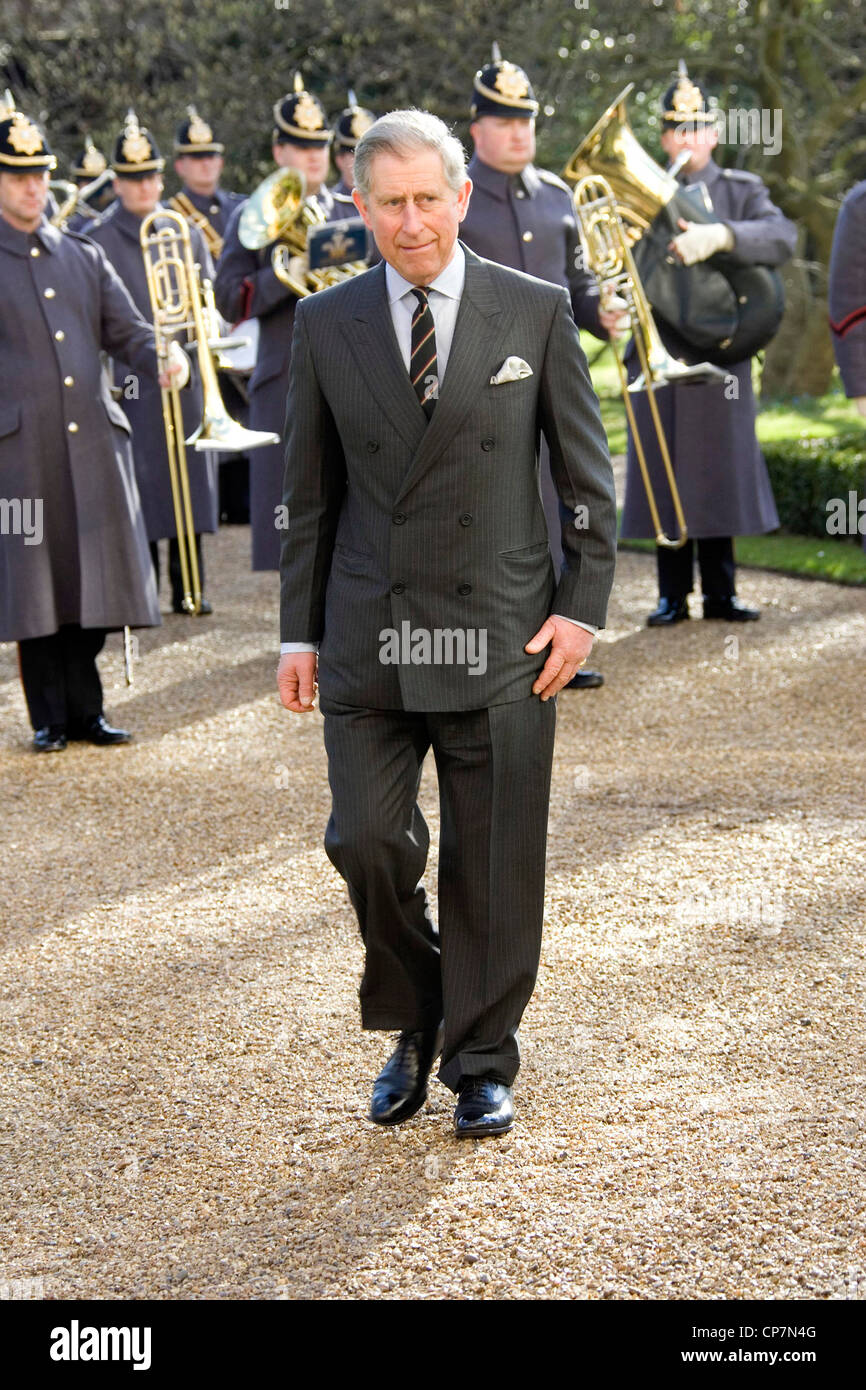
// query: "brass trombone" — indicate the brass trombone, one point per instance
point(176, 301)
point(610, 258)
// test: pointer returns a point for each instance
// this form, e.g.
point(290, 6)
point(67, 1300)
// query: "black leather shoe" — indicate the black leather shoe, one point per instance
point(400, 1089)
point(731, 609)
point(585, 680)
point(484, 1106)
point(670, 610)
point(51, 739)
point(99, 731)
point(205, 609)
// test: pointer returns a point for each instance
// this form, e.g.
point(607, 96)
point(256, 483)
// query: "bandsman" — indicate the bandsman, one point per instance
point(90, 170)
point(247, 286)
point(523, 217)
point(74, 561)
point(198, 163)
point(349, 126)
point(710, 429)
point(138, 167)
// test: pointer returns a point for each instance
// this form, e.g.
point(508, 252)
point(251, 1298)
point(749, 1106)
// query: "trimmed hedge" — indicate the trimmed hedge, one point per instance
point(807, 473)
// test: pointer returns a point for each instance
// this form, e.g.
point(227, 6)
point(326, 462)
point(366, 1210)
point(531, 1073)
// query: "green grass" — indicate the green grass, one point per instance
point(806, 557)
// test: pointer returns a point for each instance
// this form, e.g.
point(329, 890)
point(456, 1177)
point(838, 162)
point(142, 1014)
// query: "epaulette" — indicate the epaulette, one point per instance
point(557, 182)
point(741, 174)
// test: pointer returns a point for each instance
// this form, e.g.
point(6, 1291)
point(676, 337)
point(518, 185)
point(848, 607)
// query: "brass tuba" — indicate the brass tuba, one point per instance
point(280, 211)
point(721, 309)
point(177, 304)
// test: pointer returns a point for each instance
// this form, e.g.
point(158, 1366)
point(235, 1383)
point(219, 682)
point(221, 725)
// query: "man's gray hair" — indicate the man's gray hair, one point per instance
point(404, 133)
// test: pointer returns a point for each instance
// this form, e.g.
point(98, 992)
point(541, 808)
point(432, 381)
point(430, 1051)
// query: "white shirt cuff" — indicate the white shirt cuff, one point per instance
point(590, 627)
point(297, 647)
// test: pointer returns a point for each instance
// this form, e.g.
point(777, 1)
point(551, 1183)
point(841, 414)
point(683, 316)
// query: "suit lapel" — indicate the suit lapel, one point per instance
point(370, 334)
point(481, 322)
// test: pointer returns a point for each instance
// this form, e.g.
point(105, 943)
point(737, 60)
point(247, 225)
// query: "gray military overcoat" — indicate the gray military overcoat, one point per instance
point(64, 444)
point(720, 470)
point(118, 234)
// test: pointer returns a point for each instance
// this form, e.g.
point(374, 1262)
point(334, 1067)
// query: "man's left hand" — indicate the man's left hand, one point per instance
point(700, 240)
point(571, 645)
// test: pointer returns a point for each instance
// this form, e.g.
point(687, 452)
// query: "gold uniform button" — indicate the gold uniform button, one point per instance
point(69, 381)
point(527, 236)
point(59, 335)
point(50, 293)
point(72, 427)
point(520, 193)
point(34, 250)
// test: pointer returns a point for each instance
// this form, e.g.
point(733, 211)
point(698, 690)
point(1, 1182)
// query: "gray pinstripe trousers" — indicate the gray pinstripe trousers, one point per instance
point(477, 971)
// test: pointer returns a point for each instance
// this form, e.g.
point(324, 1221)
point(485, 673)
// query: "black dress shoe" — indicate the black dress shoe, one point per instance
point(205, 609)
point(484, 1106)
point(670, 610)
point(731, 609)
point(51, 739)
point(99, 731)
point(400, 1089)
point(585, 680)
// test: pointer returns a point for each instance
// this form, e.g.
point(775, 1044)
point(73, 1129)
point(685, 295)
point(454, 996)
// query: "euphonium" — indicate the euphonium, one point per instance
point(280, 211)
point(610, 259)
point(723, 309)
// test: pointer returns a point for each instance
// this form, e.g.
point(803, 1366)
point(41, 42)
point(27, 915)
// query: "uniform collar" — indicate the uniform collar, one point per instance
point(449, 282)
point(707, 175)
point(498, 184)
point(203, 201)
point(19, 243)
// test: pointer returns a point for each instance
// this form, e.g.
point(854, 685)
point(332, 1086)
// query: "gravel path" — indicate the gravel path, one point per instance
point(184, 1081)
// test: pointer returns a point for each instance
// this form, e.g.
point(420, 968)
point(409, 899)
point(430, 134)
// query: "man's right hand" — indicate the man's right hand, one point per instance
point(296, 680)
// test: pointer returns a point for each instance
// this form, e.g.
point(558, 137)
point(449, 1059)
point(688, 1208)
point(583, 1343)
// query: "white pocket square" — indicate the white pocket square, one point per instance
point(512, 369)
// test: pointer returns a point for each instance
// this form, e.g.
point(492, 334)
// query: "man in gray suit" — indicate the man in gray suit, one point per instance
point(416, 561)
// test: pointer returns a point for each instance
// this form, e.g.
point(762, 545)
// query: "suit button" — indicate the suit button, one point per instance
point(487, 445)
point(69, 381)
point(464, 589)
point(519, 193)
point(398, 518)
point(49, 293)
point(372, 446)
point(466, 519)
point(34, 250)
point(59, 335)
point(527, 236)
point(72, 427)
point(398, 588)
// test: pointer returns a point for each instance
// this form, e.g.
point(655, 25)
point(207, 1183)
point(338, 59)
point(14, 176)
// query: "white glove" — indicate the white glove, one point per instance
point(178, 358)
point(860, 402)
point(612, 303)
point(299, 268)
point(701, 240)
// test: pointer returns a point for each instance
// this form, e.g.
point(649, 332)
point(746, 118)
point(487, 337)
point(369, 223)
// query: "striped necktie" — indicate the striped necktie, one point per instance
point(422, 365)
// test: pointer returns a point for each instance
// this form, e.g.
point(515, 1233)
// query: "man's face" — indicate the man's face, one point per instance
point(200, 172)
point(413, 214)
point(23, 198)
point(506, 143)
point(345, 162)
point(139, 196)
point(700, 142)
point(310, 160)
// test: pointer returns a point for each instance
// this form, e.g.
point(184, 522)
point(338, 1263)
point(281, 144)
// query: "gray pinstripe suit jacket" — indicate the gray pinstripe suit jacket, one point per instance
point(392, 520)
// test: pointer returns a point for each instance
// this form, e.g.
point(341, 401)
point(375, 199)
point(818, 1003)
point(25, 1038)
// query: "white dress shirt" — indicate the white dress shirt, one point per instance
point(444, 294)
